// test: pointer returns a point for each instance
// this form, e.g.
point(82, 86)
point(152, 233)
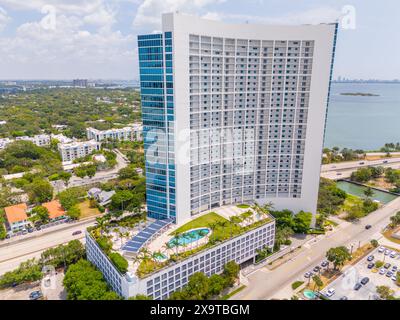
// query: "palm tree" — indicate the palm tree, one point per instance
point(202, 233)
point(157, 255)
point(175, 243)
point(212, 225)
point(167, 246)
point(191, 237)
point(268, 206)
point(233, 221)
point(144, 255)
point(101, 223)
point(368, 192)
point(223, 224)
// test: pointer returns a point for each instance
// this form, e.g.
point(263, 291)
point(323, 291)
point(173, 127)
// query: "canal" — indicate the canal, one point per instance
point(357, 190)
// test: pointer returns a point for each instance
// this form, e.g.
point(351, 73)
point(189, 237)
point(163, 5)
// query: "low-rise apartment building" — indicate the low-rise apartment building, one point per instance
point(16, 216)
point(129, 133)
point(41, 140)
point(4, 142)
point(77, 149)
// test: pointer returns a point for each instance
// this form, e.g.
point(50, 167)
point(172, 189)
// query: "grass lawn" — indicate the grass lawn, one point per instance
point(229, 295)
point(330, 222)
point(86, 211)
point(201, 222)
point(351, 201)
point(243, 206)
point(388, 235)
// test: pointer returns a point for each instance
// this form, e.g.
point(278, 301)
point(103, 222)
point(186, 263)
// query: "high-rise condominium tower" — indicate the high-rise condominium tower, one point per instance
point(233, 114)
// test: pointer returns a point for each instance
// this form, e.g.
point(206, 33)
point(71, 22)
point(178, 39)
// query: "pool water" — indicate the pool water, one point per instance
point(357, 190)
point(161, 257)
point(309, 294)
point(189, 237)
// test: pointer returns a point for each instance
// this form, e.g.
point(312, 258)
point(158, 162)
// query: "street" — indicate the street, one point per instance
point(264, 283)
point(12, 254)
point(101, 176)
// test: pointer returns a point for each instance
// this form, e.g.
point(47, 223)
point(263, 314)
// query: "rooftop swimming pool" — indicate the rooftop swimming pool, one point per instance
point(189, 237)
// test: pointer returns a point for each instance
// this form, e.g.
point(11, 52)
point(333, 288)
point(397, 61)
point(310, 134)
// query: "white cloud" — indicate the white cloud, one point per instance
point(67, 51)
point(4, 18)
point(76, 7)
point(103, 17)
point(149, 12)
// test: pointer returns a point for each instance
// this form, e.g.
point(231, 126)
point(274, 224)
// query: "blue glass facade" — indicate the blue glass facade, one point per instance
point(157, 93)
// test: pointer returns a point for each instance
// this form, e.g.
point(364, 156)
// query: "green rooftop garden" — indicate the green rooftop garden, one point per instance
point(201, 222)
point(222, 230)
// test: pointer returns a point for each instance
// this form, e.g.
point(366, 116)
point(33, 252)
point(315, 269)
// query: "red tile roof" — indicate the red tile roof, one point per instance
point(55, 209)
point(16, 213)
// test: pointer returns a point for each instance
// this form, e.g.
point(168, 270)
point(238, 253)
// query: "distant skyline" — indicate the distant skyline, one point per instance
point(96, 39)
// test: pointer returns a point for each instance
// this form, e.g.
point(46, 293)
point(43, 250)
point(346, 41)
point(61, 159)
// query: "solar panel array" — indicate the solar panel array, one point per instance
point(138, 241)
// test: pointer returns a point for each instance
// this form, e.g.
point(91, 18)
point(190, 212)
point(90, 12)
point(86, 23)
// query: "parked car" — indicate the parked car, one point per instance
point(370, 265)
point(330, 292)
point(338, 174)
point(364, 281)
point(393, 254)
point(394, 278)
point(370, 258)
point(381, 249)
point(35, 295)
point(344, 298)
point(385, 161)
point(30, 230)
point(387, 265)
point(24, 232)
point(307, 275)
point(324, 264)
point(394, 268)
point(316, 268)
point(75, 233)
point(368, 226)
point(357, 286)
point(362, 163)
point(389, 274)
point(382, 271)
point(387, 252)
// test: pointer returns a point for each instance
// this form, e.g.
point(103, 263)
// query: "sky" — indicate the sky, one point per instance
point(96, 39)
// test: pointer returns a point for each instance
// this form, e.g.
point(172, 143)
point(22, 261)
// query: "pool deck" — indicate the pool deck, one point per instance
point(159, 243)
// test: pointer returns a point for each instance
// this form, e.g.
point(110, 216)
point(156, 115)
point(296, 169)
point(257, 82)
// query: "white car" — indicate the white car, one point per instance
point(381, 249)
point(330, 292)
point(387, 252)
point(382, 271)
point(393, 254)
point(394, 278)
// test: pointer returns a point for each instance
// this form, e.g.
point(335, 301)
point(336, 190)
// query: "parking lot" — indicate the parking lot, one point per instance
point(349, 286)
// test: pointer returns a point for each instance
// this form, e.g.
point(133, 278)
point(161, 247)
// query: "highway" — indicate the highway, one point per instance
point(336, 171)
point(12, 254)
point(264, 283)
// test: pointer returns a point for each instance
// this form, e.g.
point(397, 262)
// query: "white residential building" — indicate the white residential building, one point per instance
point(253, 99)
point(4, 142)
point(41, 140)
point(231, 114)
point(77, 149)
point(62, 139)
point(130, 133)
